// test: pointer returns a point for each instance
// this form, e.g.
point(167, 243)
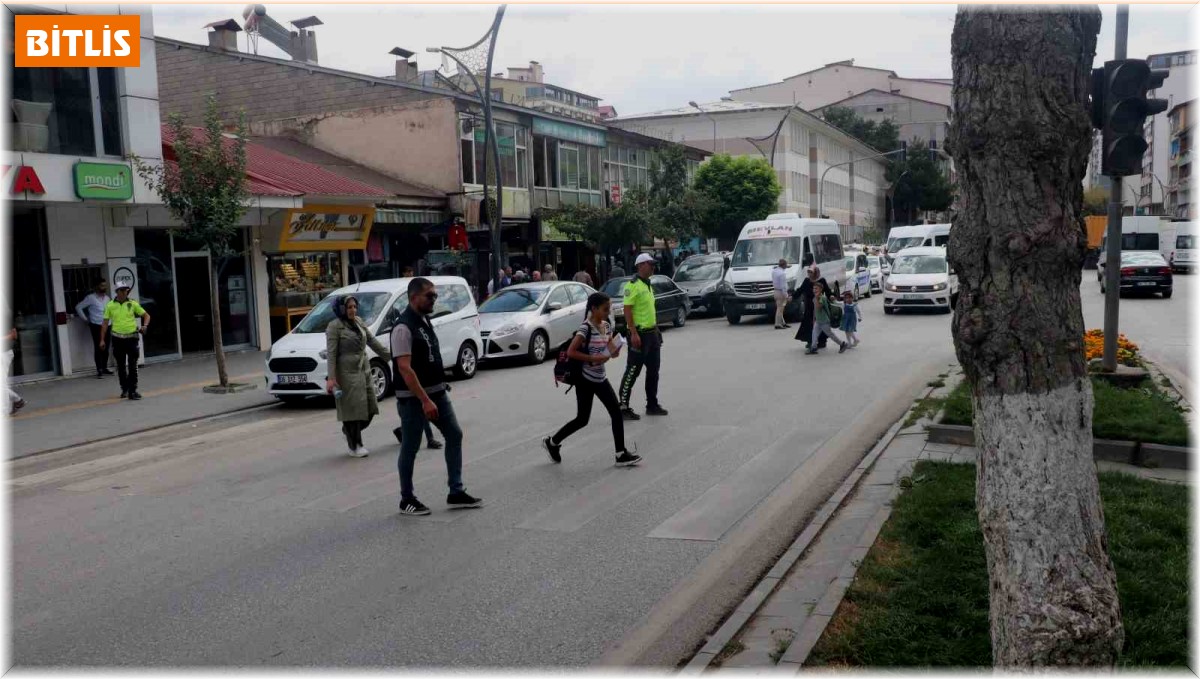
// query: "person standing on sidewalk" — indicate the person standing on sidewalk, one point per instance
point(582, 276)
point(645, 340)
point(549, 275)
point(91, 309)
point(421, 396)
point(779, 285)
point(121, 321)
point(594, 345)
point(821, 321)
point(349, 380)
point(15, 402)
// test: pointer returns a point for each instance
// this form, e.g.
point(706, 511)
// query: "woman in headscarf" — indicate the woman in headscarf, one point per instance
point(805, 293)
point(346, 342)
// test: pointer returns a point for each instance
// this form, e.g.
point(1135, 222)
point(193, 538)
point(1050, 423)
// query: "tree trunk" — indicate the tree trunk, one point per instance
point(218, 349)
point(1020, 139)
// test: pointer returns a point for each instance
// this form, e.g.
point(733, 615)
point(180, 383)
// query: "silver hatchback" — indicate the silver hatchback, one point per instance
point(531, 319)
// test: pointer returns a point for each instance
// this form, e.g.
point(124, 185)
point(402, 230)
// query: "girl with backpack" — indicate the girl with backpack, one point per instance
point(593, 345)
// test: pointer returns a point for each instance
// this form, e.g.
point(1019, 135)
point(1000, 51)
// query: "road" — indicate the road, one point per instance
point(255, 541)
point(1161, 327)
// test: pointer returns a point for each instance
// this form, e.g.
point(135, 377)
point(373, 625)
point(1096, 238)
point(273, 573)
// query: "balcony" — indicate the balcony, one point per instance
point(552, 198)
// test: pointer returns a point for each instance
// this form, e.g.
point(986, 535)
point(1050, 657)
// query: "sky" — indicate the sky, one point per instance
point(651, 57)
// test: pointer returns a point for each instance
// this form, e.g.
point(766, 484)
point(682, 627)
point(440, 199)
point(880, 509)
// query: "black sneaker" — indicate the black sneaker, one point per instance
point(413, 507)
point(628, 459)
point(552, 448)
point(657, 411)
point(109, 372)
point(461, 500)
point(434, 444)
point(628, 414)
point(99, 376)
point(842, 349)
point(124, 394)
point(134, 396)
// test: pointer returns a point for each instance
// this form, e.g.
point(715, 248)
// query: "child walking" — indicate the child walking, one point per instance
point(851, 315)
point(594, 345)
point(821, 320)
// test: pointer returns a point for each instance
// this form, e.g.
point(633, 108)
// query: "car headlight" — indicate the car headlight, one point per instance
point(707, 290)
point(891, 287)
point(939, 286)
point(323, 354)
point(506, 330)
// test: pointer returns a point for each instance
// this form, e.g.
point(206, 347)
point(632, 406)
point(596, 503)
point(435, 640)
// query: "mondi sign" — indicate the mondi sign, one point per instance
point(103, 181)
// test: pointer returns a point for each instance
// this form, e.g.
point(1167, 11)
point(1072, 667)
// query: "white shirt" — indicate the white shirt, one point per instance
point(779, 279)
point(92, 308)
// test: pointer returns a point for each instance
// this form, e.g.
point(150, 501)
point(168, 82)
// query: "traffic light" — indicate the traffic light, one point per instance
point(1119, 110)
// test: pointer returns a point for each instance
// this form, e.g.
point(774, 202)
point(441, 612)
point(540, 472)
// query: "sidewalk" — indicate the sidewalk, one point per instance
point(782, 619)
point(79, 410)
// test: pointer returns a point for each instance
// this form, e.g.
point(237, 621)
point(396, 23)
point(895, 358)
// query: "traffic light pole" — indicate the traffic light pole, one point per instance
point(1112, 261)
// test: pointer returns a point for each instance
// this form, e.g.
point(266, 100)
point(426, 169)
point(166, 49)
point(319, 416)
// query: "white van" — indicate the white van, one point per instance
point(1139, 233)
point(917, 236)
point(760, 247)
point(296, 366)
point(1185, 256)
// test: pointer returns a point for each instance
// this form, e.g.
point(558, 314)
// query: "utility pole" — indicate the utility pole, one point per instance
point(1112, 260)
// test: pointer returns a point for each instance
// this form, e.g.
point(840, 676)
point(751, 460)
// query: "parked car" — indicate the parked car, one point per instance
point(1144, 272)
point(921, 278)
point(879, 270)
point(296, 366)
point(671, 304)
point(531, 319)
point(702, 277)
point(858, 274)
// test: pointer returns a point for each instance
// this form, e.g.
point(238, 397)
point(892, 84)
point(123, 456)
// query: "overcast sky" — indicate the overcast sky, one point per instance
point(645, 58)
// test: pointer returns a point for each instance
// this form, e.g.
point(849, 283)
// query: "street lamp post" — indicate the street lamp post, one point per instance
point(714, 122)
point(774, 136)
point(821, 184)
point(480, 55)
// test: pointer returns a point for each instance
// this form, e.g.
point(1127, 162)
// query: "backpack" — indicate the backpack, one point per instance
point(568, 370)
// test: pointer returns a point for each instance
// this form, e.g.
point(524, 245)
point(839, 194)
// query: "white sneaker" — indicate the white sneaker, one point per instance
point(360, 451)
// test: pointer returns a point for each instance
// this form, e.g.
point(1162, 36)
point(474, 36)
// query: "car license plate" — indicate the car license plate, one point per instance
point(1147, 284)
point(755, 307)
point(291, 379)
point(911, 296)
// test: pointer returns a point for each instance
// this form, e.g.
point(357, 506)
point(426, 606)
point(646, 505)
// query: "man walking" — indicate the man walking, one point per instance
point(91, 309)
point(618, 271)
point(645, 340)
point(121, 321)
point(779, 285)
point(582, 276)
point(422, 396)
point(549, 275)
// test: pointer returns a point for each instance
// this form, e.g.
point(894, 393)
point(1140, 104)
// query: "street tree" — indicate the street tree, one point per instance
point(1020, 140)
point(738, 190)
point(920, 183)
point(881, 135)
point(610, 230)
point(202, 183)
point(677, 210)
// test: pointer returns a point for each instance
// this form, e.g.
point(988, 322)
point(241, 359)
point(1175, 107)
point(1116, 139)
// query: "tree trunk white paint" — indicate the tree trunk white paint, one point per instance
point(1052, 600)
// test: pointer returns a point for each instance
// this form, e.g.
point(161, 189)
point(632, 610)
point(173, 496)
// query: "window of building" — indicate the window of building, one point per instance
point(629, 166)
point(799, 137)
point(564, 165)
point(514, 153)
point(800, 193)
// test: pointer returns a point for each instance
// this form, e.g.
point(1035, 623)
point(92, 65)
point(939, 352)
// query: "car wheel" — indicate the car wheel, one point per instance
point(1167, 294)
point(680, 317)
point(733, 318)
point(468, 361)
point(539, 346)
point(290, 400)
point(380, 379)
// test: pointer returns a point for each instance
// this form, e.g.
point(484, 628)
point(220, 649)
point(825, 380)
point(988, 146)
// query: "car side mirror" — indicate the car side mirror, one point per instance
point(554, 306)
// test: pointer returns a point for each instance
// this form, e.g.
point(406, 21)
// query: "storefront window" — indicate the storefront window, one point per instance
point(301, 279)
point(156, 289)
point(29, 304)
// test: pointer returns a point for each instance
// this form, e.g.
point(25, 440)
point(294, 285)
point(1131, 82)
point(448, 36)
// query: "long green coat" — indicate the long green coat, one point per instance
point(349, 367)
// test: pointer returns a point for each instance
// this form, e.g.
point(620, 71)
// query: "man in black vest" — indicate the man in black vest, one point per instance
point(421, 396)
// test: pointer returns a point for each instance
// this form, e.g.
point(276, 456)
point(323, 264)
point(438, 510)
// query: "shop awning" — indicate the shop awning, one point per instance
point(402, 216)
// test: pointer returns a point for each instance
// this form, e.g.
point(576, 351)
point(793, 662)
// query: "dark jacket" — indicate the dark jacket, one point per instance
point(426, 352)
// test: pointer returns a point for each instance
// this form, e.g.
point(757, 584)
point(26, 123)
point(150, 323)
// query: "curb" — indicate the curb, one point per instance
point(1125, 452)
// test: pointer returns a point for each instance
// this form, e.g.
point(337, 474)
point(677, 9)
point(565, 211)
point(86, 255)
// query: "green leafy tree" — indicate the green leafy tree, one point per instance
point(920, 183)
point(882, 135)
point(204, 187)
point(1095, 201)
point(737, 190)
point(677, 210)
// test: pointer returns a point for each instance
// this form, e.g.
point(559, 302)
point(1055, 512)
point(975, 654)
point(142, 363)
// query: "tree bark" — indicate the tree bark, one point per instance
point(214, 275)
point(1020, 138)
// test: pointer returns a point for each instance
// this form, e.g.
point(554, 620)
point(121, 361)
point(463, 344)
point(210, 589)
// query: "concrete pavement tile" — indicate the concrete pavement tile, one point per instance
point(856, 556)
point(905, 447)
point(858, 507)
point(965, 456)
point(798, 652)
point(871, 531)
point(759, 594)
point(698, 662)
point(785, 563)
point(763, 626)
point(878, 493)
point(833, 597)
point(941, 448)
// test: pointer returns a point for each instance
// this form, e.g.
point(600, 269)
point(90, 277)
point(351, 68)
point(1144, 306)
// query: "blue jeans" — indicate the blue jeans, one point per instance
point(412, 424)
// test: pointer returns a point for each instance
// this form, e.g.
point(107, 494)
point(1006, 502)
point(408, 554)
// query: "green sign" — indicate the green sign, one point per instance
point(103, 181)
point(566, 132)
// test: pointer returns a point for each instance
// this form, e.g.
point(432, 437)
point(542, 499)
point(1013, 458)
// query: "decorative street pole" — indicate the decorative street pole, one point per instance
point(470, 60)
point(774, 136)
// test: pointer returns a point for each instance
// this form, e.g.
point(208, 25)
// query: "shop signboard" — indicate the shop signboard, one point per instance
point(103, 181)
point(326, 227)
point(567, 132)
point(124, 278)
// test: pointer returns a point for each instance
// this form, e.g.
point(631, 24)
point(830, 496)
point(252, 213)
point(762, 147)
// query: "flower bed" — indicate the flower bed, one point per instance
point(1127, 352)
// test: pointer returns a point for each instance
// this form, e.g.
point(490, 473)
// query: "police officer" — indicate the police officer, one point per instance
point(121, 321)
point(645, 340)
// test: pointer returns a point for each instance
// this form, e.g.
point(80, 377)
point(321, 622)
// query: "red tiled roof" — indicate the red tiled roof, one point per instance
point(272, 173)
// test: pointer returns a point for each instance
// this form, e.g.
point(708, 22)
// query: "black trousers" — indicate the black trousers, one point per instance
point(98, 354)
point(125, 350)
point(650, 356)
point(353, 431)
point(584, 391)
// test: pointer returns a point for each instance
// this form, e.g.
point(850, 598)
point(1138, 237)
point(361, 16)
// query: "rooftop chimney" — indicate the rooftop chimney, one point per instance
point(304, 41)
point(406, 71)
point(535, 72)
point(223, 35)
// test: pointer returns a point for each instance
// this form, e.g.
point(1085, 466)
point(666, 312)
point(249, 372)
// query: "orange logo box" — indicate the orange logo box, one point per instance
point(77, 40)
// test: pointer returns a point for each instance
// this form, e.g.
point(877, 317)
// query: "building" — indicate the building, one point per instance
point(1179, 190)
point(428, 137)
point(527, 86)
point(808, 149)
point(919, 107)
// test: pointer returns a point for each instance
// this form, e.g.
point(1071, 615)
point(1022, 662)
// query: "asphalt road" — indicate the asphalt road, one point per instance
point(1161, 327)
point(255, 541)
